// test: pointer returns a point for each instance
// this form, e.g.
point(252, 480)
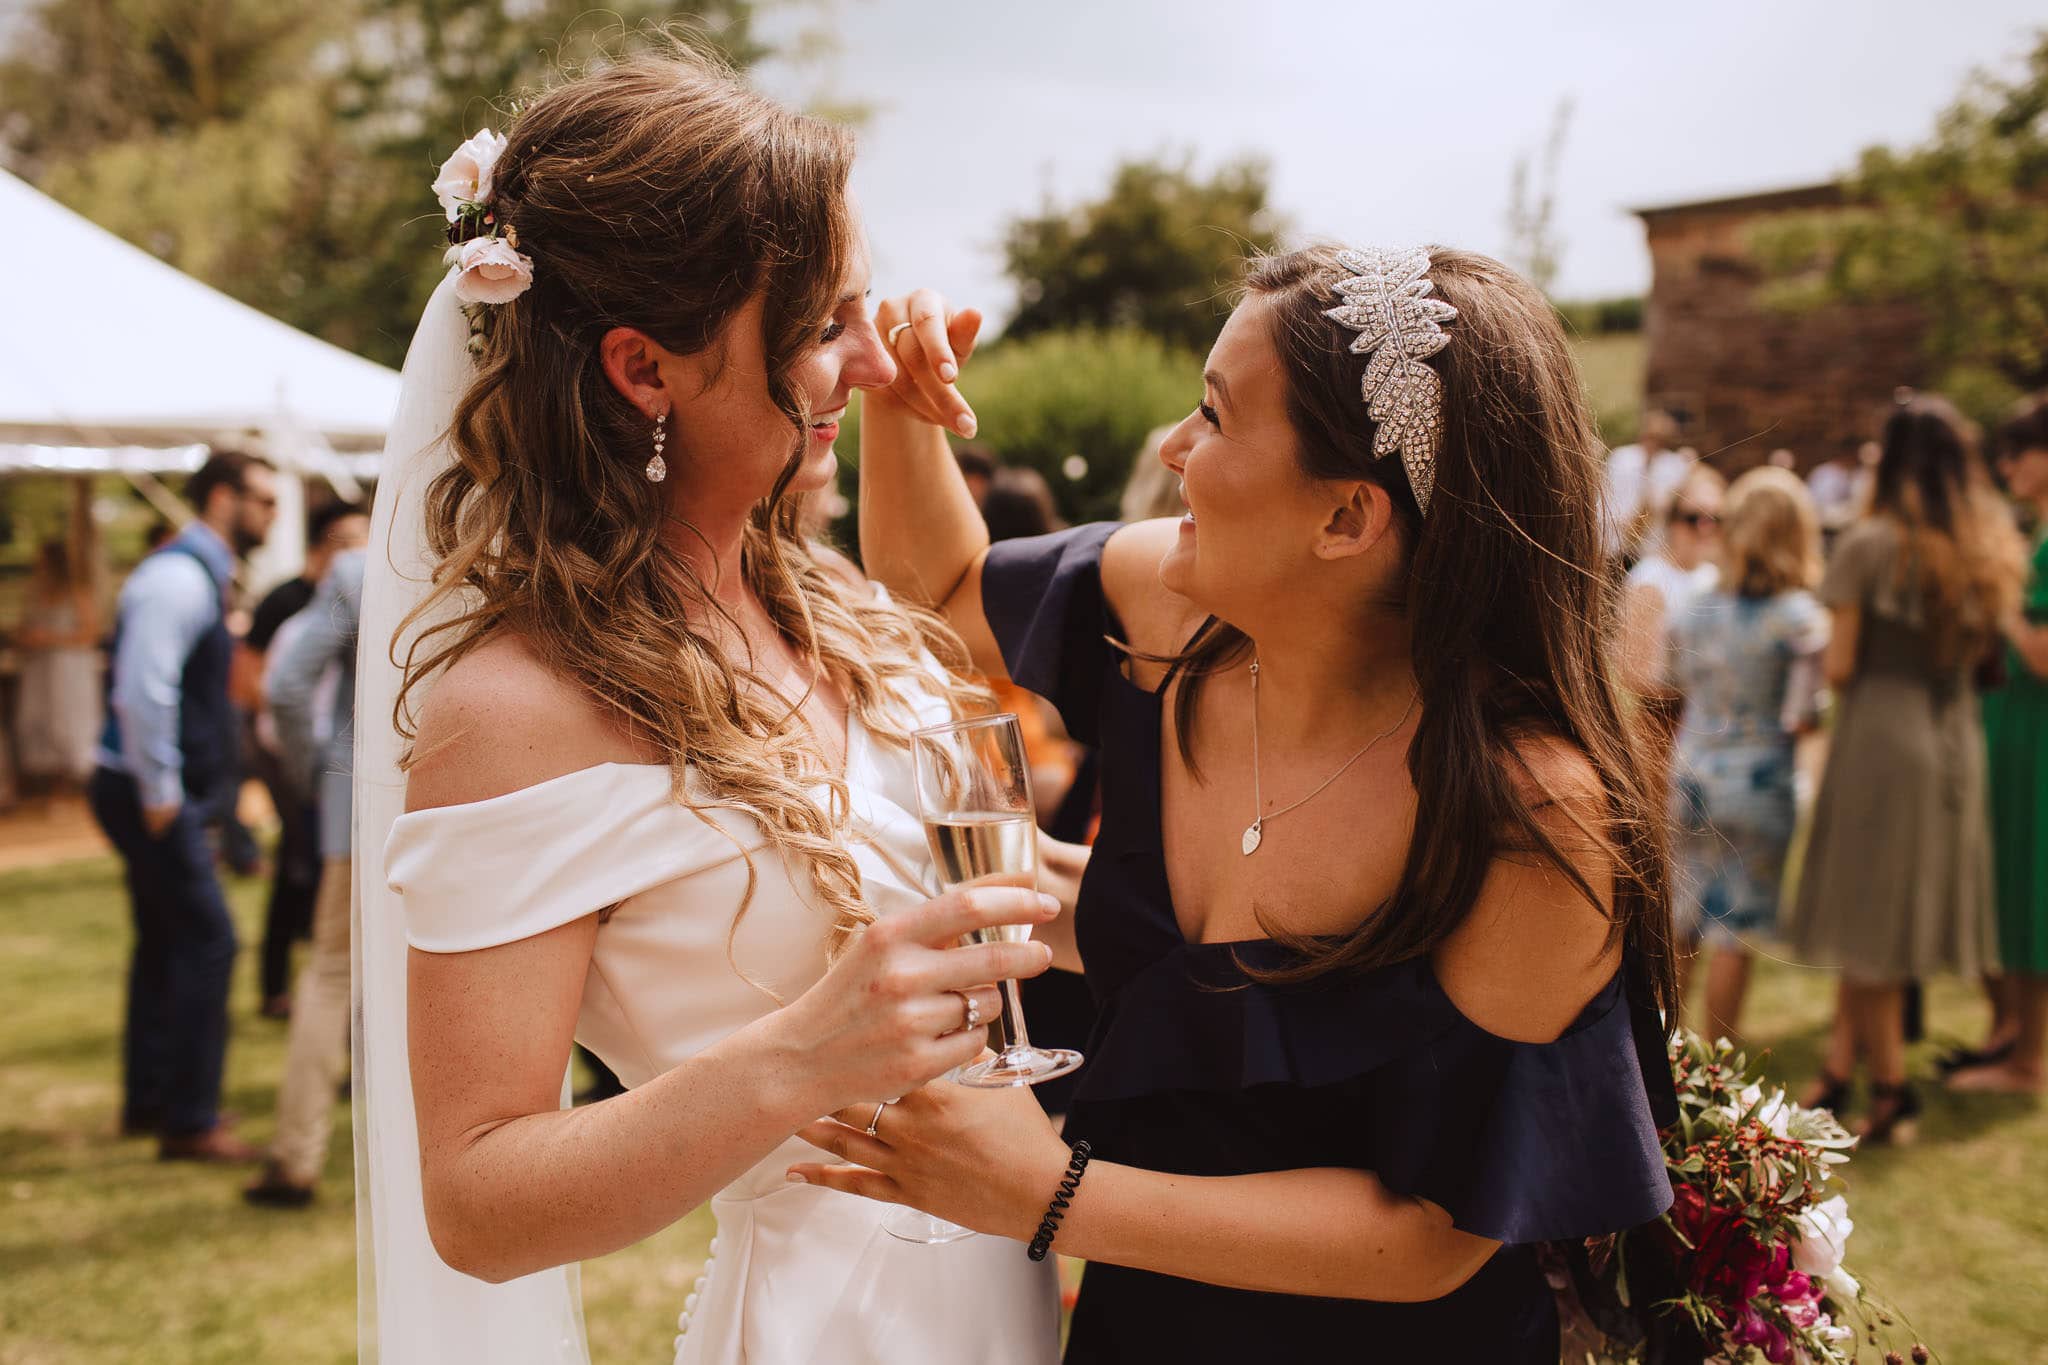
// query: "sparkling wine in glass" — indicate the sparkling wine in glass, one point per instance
point(974, 791)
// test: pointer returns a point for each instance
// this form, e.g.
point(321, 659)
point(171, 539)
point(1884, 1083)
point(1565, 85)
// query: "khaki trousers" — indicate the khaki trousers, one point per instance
point(318, 1048)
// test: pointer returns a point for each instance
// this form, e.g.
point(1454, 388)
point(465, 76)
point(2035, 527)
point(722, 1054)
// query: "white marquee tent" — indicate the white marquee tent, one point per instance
point(112, 361)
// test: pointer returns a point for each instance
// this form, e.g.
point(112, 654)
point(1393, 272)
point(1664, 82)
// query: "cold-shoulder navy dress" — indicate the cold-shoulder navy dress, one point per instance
point(1196, 1069)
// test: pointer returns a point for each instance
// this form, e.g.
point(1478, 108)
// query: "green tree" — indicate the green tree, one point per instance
point(1157, 252)
point(1046, 399)
point(1957, 226)
point(281, 150)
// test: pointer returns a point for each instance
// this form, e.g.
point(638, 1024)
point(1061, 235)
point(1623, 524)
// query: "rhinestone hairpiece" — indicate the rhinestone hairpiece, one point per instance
point(1387, 302)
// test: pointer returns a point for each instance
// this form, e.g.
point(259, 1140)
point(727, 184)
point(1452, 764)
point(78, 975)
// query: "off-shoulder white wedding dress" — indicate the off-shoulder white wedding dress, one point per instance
point(798, 1275)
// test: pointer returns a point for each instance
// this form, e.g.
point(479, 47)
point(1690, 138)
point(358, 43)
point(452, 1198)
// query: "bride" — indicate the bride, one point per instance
point(644, 782)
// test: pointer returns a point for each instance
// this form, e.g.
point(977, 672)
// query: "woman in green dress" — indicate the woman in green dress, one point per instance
point(2016, 732)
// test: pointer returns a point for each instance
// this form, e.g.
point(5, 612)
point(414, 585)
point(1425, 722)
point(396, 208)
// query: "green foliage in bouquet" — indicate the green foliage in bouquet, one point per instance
point(1747, 1266)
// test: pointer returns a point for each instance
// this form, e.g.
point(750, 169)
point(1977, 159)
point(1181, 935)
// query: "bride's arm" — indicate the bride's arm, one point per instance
point(512, 1183)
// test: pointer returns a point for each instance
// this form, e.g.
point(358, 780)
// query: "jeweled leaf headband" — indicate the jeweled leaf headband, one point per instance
point(1387, 302)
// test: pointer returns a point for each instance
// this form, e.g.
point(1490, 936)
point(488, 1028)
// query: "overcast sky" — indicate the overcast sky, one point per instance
point(1384, 122)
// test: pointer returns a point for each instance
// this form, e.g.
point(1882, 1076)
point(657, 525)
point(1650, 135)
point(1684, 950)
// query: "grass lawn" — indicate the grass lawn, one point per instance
point(107, 1256)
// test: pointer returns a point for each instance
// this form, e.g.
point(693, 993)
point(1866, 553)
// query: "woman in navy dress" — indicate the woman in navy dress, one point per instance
point(1377, 915)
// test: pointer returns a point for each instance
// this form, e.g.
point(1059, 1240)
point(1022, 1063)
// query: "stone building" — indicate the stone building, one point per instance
point(1744, 378)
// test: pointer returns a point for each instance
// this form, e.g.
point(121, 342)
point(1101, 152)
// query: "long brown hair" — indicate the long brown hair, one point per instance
point(1961, 558)
point(1507, 599)
point(663, 194)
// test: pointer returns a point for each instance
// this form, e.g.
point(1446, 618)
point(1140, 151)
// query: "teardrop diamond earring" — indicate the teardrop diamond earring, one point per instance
point(657, 468)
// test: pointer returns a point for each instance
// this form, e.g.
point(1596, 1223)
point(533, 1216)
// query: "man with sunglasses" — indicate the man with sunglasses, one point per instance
point(166, 761)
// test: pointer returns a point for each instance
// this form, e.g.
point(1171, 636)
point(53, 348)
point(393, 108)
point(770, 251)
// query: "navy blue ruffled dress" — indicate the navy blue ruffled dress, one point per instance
point(1196, 1069)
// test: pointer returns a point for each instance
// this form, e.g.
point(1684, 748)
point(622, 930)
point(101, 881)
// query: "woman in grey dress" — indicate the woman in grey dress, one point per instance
point(1897, 881)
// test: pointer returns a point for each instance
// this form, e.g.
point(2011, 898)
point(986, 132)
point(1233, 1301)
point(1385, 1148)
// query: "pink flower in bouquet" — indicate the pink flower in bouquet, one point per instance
point(1751, 1329)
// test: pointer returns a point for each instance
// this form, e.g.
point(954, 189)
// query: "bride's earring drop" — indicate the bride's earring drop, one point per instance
point(657, 468)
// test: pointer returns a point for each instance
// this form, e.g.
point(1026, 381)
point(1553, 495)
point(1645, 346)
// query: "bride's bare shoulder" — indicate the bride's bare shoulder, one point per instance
point(499, 719)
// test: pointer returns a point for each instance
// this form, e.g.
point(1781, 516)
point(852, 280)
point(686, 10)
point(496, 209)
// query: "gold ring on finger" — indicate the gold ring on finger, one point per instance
point(972, 1018)
point(895, 332)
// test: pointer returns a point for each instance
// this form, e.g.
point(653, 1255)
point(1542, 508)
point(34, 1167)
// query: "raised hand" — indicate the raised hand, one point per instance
point(888, 1016)
point(931, 341)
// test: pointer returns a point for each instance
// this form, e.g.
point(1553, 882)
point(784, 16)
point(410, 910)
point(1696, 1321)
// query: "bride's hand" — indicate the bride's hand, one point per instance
point(930, 341)
point(986, 1159)
point(887, 1016)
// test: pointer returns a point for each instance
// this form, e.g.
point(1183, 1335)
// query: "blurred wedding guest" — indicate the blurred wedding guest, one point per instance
point(1659, 589)
point(1746, 657)
point(1019, 503)
point(164, 756)
point(978, 465)
point(2016, 732)
point(1152, 490)
point(1836, 487)
point(1640, 479)
point(312, 690)
point(1896, 884)
point(333, 528)
point(57, 715)
point(1781, 458)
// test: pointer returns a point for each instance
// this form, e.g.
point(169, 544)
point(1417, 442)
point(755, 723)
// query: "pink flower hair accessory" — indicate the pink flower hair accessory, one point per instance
point(483, 249)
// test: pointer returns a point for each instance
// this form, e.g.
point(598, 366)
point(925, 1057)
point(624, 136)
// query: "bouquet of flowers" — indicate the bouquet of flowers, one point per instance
point(1747, 1266)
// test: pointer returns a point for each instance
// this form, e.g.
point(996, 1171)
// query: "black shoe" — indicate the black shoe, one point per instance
point(1963, 1058)
point(1833, 1094)
point(1894, 1115)
point(273, 1191)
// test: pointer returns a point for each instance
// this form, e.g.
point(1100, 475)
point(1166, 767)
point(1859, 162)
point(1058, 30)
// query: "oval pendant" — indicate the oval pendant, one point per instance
point(1252, 835)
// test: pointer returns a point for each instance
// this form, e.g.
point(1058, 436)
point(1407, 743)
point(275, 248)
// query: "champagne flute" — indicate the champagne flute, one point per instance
point(974, 792)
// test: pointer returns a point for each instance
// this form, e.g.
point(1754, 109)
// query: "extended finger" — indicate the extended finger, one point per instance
point(916, 385)
point(979, 963)
point(936, 400)
point(851, 1179)
point(964, 331)
point(928, 320)
point(941, 922)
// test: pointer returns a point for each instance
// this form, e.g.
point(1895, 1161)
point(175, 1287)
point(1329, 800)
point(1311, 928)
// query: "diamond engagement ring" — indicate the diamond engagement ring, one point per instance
point(877, 1118)
point(973, 1016)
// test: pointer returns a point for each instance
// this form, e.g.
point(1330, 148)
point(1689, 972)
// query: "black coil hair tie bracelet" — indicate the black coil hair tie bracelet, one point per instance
point(1062, 1199)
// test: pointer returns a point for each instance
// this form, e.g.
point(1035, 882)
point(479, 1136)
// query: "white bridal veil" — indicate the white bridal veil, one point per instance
point(412, 1309)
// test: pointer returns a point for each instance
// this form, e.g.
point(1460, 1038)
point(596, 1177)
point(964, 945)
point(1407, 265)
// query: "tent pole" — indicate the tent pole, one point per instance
point(161, 498)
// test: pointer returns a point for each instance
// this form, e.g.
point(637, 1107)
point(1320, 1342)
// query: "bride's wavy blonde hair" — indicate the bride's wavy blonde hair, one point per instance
point(663, 194)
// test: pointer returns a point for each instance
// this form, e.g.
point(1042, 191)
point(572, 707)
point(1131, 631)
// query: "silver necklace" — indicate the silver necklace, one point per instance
point(1255, 832)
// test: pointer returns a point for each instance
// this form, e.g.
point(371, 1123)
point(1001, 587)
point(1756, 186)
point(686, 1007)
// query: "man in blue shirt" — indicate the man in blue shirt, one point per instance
point(313, 701)
point(166, 762)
